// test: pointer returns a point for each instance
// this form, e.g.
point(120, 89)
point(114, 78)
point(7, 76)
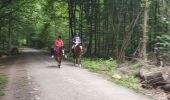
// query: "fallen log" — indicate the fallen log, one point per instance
point(166, 73)
point(152, 78)
point(153, 83)
point(148, 74)
point(166, 87)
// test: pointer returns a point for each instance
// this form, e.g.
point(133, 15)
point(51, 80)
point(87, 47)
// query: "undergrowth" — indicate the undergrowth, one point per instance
point(108, 68)
point(3, 81)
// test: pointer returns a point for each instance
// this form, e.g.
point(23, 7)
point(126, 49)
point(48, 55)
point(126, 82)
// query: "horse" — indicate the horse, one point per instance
point(58, 55)
point(77, 54)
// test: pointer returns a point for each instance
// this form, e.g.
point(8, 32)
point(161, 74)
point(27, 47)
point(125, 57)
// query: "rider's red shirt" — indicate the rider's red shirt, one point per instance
point(59, 43)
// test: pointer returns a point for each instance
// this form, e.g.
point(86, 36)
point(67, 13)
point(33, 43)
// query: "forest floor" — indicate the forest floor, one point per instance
point(34, 76)
point(155, 92)
point(126, 75)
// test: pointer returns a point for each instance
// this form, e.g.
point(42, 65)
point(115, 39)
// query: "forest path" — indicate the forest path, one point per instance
point(35, 76)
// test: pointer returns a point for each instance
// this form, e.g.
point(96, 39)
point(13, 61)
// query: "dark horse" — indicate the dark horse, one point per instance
point(58, 55)
point(77, 54)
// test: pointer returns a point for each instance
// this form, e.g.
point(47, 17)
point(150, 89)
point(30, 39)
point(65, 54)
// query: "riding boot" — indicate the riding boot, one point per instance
point(63, 52)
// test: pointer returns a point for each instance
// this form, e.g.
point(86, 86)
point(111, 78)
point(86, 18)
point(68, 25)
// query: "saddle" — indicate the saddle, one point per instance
point(58, 49)
point(76, 51)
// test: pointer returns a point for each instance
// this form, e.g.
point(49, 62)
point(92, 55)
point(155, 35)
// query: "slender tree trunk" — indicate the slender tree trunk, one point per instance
point(99, 34)
point(95, 27)
point(144, 36)
point(10, 32)
point(0, 34)
point(80, 19)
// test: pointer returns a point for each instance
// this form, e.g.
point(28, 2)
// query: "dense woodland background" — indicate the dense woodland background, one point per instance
point(120, 29)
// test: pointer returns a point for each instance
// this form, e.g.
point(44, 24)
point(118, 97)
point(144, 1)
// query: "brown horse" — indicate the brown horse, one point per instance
point(58, 55)
point(77, 54)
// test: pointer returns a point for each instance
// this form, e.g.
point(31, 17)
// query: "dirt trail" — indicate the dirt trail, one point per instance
point(35, 76)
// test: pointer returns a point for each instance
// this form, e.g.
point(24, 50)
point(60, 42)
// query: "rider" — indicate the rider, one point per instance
point(76, 41)
point(59, 43)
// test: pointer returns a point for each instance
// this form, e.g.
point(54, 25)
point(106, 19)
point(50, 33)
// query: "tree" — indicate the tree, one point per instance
point(144, 35)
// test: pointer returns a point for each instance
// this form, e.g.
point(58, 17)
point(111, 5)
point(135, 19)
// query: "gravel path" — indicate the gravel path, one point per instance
point(35, 76)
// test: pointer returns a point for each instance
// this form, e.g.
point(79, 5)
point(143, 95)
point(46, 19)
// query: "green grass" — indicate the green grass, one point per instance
point(129, 82)
point(2, 61)
point(99, 65)
point(108, 68)
point(3, 81)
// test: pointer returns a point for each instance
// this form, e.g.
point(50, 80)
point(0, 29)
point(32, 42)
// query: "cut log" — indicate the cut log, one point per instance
point(166, 74)
point(166, 88)
point(152, 78)
point(151, 73)
point(153, 83)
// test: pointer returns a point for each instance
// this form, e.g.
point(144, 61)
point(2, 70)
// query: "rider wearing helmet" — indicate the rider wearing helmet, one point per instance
point(76, 41)
point(59, 43)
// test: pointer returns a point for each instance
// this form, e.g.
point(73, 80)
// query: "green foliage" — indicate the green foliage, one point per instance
point(2, 93)
point(108, 67)
point(34, 22)
point(103, 24)
point(164, 42)
point(54, 23)
point(130, 82)
point(164, 45)
point(3, 81)
point(99, 65)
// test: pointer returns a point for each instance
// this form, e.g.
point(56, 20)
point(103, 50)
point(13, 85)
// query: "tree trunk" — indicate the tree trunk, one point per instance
point(144, 36)
point(0, 34)
point(10, 32)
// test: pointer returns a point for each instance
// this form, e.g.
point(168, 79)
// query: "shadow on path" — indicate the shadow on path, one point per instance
point(53, 66)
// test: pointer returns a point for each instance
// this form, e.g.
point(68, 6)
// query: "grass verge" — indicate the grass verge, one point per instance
point(108, 68)
point(3, 81)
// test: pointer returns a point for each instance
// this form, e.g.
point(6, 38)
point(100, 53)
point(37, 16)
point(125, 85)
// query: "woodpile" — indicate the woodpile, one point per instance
point(156, 77)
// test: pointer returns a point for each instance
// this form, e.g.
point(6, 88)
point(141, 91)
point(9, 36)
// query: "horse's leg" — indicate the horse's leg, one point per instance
point(59, 61)
point(74, 57)
point(76, 60)
point(56, 59)
point(80, 61)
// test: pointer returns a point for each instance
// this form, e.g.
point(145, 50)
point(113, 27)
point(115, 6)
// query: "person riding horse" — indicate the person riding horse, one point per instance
point(77, 49)
point(59, 43)
point(76, 41)
point(58, 49)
